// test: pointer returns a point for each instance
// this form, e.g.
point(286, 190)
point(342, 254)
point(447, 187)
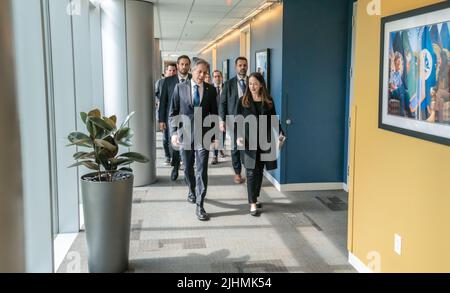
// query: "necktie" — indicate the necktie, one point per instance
point(196, 96)
point(218, 90)
point(243, 86)
point(182, 80)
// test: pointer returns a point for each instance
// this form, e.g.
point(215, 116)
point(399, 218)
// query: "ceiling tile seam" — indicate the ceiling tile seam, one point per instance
point(161, 46)
point(206, 35)
point(184, 27)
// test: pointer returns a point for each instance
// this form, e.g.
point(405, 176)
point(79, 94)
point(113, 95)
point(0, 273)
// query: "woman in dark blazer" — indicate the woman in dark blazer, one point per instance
point(257, 103)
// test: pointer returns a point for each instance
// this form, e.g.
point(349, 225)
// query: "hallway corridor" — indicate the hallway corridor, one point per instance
point(297, 231)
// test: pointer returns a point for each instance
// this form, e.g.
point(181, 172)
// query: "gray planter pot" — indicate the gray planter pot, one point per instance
point(107, 219)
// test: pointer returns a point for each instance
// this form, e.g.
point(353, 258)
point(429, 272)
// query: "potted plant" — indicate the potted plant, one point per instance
point(107, 192)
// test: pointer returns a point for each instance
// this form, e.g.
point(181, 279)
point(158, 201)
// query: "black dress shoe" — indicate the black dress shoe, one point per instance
point(191, 198)
point(201, 214)
point(174, 175)
point(255, 213)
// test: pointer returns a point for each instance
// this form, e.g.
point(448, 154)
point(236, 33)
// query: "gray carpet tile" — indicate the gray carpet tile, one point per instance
point(296, 232)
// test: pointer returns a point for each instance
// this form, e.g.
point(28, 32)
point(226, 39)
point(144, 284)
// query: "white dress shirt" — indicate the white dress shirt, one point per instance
point(240, 92)
point(220, 88)
point(180, 77)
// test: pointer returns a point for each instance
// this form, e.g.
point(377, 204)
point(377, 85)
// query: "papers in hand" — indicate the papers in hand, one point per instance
point(281, 141)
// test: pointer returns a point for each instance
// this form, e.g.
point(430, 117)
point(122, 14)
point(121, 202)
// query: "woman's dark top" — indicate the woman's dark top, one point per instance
point(257, 109)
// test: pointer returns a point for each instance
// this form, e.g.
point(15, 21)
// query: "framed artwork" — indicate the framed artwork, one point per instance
point(225, 69)
point(262, 65)
point(415, 73)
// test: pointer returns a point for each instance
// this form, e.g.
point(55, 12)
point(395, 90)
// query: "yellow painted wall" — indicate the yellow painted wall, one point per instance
point(400, 183)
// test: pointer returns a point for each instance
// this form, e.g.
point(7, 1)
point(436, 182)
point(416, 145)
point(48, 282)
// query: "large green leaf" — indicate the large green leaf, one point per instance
point(79, 155)
point(104, 144)
point(135, 157)
point(83, 116)
point(124, 134)
point(74, 136)
point(88, 164)
point(81, 143)
point(126, 143)
point(84, 155)
point(110, 122)
point(91, 127)
point(121, 161)
point(127, 120)
point(114, 119)
point(99, 122)
point(126, 169)
point(95, 113)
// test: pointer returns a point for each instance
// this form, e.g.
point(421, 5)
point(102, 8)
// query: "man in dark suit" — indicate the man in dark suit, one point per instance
point(218, 85)
point(191, 99)
point(171, 70)
point(233, 90)
point(183, 66)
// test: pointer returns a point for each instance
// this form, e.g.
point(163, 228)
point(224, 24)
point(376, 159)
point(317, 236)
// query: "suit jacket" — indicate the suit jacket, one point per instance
point(218, 96)
point(182, 105)
point(166, 97)
point(158, 88)
point(229, 98)
point(249, 156)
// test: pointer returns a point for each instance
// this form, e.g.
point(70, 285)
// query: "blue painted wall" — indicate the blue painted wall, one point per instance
point(309, 42)
point(228, 49)
point(315, 35)
point(267, 33)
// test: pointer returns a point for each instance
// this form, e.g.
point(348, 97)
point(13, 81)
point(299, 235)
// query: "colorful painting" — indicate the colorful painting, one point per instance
point(415, 77)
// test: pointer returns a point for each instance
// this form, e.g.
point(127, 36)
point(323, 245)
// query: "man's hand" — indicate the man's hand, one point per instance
point(281, 140)
point(175, 141)
point(162, 126)
point(222, 126)
point(240, 141)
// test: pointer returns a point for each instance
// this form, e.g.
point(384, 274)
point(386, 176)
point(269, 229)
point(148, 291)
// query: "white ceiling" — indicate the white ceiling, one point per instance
point(186, 26)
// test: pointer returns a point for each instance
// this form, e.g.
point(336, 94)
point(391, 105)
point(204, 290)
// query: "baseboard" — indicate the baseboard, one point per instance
point(303, 186)
point(272, 180)
point(357, 264)
point(81, 217)
point(345, 187)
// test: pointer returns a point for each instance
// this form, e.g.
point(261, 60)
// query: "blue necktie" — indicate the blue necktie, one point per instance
point(243, 86)
point(196, 96)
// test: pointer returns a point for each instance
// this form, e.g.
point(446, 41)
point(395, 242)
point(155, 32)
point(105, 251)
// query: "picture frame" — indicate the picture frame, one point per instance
point(415, 73)
point(262, 65)
point(225, 69)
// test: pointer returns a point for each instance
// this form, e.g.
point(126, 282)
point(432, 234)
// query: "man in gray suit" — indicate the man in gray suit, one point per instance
point(233, 90)
point(188, 100)
point(183, 66)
